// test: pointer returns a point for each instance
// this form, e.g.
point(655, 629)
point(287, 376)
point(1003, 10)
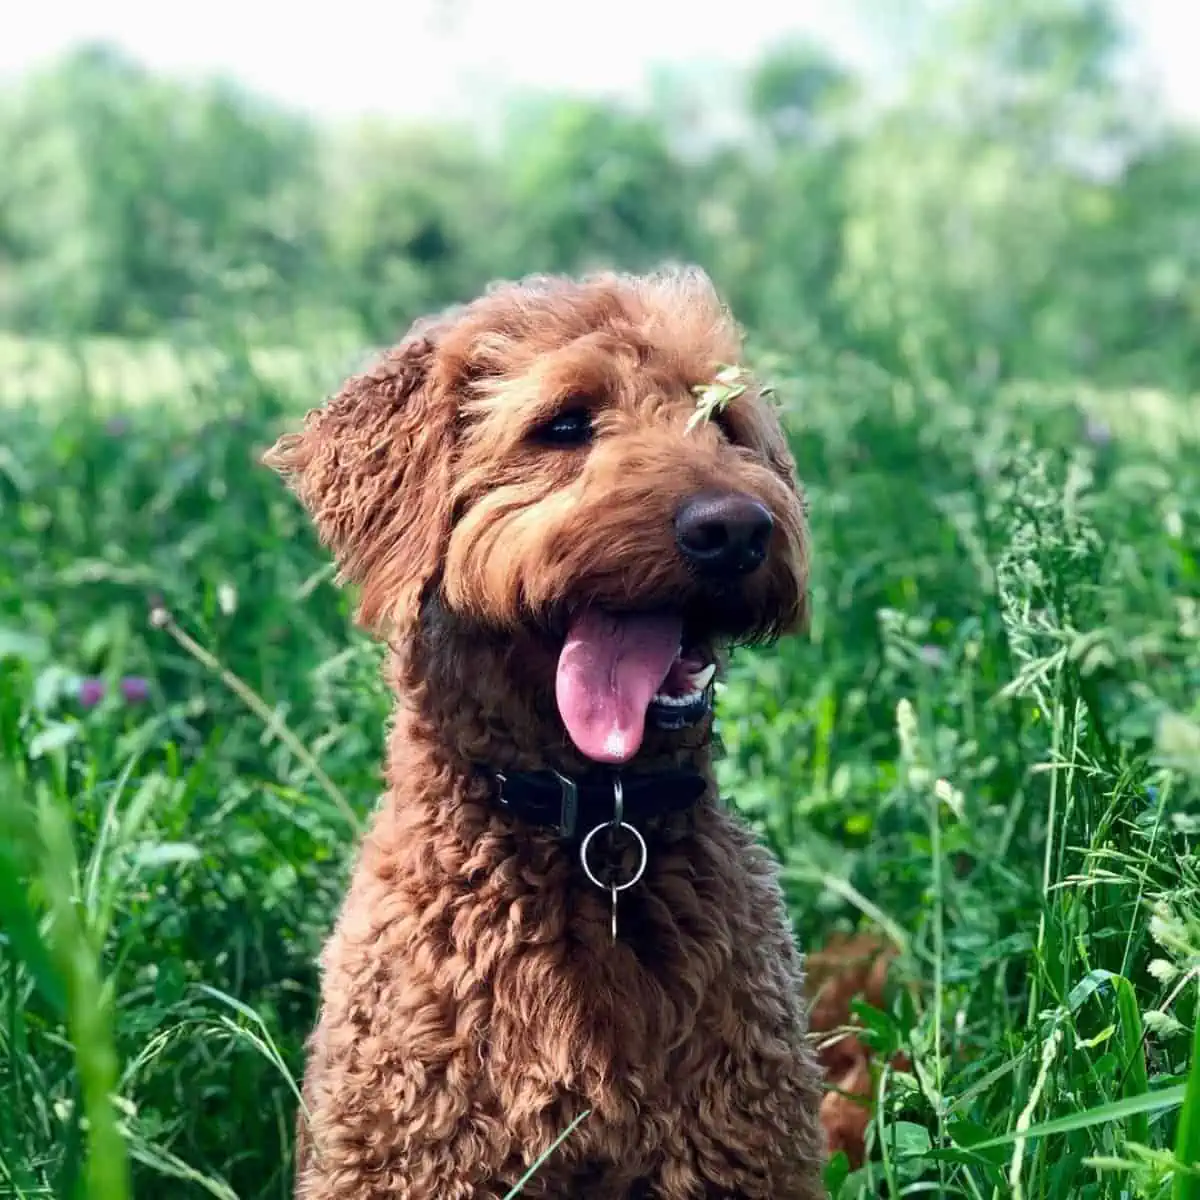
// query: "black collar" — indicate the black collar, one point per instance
point(572, 807)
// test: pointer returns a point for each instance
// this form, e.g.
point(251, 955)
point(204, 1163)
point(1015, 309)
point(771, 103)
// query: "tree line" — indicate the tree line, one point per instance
point(1017, 206)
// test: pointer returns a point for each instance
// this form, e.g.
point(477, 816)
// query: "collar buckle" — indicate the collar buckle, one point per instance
point(568, 811)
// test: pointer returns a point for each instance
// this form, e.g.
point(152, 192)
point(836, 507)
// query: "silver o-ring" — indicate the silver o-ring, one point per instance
point(643, 853)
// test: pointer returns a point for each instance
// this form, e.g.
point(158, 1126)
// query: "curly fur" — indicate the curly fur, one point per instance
point(473, 1004)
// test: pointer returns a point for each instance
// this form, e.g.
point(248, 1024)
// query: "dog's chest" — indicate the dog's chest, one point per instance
point(583, 1024)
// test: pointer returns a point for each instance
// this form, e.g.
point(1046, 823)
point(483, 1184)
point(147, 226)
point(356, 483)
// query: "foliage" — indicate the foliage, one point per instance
point(1015, 206)
point(406, 207)
point(133, 200)
point(593, 186)
point(977, 308)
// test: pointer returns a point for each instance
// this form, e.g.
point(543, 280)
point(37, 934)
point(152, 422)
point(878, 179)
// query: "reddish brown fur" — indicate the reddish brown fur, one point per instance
point(473, 1004)
point(845, 969)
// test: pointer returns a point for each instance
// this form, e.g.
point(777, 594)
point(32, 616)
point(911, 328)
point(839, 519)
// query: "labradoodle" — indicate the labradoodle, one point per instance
point(562, 964)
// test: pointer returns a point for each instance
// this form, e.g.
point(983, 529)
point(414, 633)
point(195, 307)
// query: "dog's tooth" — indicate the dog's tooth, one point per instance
point(679, 701)
point(702, 679)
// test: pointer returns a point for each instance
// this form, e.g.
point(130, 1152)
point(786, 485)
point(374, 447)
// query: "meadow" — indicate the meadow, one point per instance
point(978, 303)
point(988, 749)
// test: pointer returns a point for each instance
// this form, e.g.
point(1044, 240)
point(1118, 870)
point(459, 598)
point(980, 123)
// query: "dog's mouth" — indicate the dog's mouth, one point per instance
point(619, 672)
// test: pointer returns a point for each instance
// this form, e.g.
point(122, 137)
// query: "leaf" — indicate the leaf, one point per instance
point(95, 642)
point(1177, 740)
point(52, 685)
point(910, 1138)
point(15, 470)
point(910, 1144)
point(1134, 1081)
point(227, 598)
point(169, 982)
point(1187, 1135)
point(15, 643)
point(1090, 985)
point(712, 398)
point(881, 1031)
point(970, 1135)
point(171, 1166)
point(162, 854)
point(53, 737)
point(1118, 1110)
point(18, 920)
point(836, 1171)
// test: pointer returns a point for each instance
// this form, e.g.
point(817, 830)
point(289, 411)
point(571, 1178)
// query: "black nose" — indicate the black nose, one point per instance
point(723, 535)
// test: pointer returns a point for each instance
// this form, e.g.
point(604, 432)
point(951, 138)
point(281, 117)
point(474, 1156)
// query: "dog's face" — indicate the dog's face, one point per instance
point(534, 460)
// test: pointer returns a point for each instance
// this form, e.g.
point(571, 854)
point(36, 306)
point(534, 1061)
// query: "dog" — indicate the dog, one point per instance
point(846, 968)
point(561, 965)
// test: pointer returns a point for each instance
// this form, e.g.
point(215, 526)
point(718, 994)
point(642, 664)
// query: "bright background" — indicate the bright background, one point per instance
point(429, 57)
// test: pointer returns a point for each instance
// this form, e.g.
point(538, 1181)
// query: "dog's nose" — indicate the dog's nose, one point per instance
point(723, 536)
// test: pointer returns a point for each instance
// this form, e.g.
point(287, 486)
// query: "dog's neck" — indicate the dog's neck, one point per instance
point(488, 699)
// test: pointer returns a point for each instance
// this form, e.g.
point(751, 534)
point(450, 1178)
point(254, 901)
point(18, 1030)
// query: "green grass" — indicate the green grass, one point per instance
point(989, 747)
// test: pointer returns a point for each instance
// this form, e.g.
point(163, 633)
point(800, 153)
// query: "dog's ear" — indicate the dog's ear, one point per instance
point(373, 469)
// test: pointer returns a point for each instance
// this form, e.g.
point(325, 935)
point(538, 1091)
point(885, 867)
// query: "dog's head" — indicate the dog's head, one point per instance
point(534, 465)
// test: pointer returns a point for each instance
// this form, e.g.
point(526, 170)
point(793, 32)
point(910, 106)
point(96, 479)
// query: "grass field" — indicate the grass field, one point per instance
point(989, 747)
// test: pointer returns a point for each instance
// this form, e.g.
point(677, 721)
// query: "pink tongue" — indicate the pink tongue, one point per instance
point(608, 672)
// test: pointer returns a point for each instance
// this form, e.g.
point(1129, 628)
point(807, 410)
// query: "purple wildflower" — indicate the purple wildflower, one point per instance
point(135, 689)
point(91, 691)
point(1097, 431)
point(117, 426)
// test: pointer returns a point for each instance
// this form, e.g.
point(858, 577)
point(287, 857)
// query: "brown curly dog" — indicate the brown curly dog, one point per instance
point(558, 554)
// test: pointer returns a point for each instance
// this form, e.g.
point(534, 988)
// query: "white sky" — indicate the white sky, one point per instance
point(428, 57)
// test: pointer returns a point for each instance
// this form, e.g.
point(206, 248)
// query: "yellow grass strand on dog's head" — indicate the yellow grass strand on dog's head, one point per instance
point(713, 398)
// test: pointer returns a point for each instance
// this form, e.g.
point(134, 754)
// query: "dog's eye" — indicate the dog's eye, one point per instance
point(721, 421)
point(573, 427)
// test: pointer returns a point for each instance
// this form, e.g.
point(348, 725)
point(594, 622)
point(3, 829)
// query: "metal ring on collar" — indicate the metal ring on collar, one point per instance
point(644, 856)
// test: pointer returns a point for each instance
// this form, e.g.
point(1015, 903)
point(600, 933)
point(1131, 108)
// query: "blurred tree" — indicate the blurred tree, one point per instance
point(412, 221)
point(963, 198)
point(698, 106)
point(62, 237)
point(245, 194)
point(590, 185)
point(772, 207)
point(130, 199)
point(1017, 209)
point(796, 89)
point(1130, 277)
